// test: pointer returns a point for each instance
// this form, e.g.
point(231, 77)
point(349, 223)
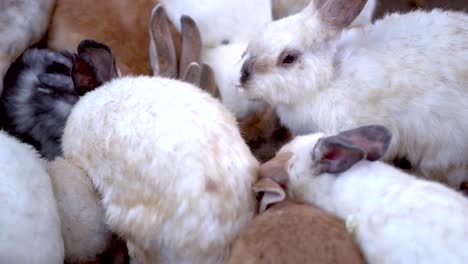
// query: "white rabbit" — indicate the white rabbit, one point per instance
point(23, 23)
point(395, 217)
point(30, 228)
point(408, 72)
point(155, 149)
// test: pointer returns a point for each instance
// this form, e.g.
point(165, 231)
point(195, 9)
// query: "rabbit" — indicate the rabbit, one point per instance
point(394, 216)
point(284, 8)
point(23, 23)
point(29, 220)
point(121, 24)
point(261, 130)
point(41, 88)
point(290, 232)
point(136, 138)
point(84, 231)
point(408, 72)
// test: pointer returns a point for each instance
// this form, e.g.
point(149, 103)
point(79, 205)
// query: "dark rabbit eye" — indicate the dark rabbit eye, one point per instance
point(288, 57)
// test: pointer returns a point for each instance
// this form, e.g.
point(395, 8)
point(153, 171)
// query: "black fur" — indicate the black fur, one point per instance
point(37, 98)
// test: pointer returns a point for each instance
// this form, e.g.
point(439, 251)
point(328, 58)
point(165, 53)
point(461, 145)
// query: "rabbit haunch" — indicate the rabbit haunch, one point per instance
point(408, 72)
point(290, 232)
point(397, 217)
point(168, 160)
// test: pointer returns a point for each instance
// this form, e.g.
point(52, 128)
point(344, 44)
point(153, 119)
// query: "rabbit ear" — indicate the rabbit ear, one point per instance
point(192, 74)
point(191, 43)
point(276, 168)
point(162, 49)
point(208, 81)
point(339, 14)
point(271, 193)
point(92, 66)
point(338, 153)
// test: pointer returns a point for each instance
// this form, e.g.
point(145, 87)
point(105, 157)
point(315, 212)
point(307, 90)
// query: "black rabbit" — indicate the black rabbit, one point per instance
point(41, 87)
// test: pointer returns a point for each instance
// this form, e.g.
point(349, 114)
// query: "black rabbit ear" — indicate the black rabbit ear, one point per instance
point(92, 66)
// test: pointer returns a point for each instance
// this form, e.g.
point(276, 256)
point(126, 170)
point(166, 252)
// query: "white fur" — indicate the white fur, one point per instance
point(284, 8)
point(407, 72)
point(399, 218)
point(235, 21)
point(29, 220)
point(168, 160)
point(84, 231)
point(23, 23)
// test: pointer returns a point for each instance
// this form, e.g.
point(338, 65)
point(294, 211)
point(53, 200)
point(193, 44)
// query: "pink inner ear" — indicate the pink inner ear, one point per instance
point(332, 154)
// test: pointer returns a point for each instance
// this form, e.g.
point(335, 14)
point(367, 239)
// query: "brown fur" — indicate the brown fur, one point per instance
point(295, 233)
point(121, 24)
point(264, 133)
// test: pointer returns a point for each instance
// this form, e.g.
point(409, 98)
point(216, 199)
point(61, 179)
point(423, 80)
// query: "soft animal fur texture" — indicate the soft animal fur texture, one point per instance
point(284, 8)
point(121, 24)
point(29, 220)
point(408, 72)
point(261, 130)
point(42, 86)
point(84, 231)
point(22, 24)
point(169, 162)
point(289, 232)
point(395, 217)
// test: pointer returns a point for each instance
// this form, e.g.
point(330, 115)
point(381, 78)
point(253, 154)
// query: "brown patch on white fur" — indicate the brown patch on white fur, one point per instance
point(211, 186)
point(121, 24)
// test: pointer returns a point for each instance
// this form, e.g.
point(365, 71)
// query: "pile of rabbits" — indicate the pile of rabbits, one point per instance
point(233, 132)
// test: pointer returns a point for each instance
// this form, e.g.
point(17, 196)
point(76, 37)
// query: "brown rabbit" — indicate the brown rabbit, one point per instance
point(121, 24)
point(289, 232)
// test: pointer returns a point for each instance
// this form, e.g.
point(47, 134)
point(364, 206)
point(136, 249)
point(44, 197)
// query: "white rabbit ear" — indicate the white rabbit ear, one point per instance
point(339, 14)
point(162, 49)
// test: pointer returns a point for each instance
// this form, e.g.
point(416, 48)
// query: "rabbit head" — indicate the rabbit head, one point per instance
point(42, 86)
point(317, 155)
point(293, 58)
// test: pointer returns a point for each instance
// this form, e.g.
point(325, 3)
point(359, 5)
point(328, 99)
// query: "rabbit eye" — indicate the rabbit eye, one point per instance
point(288, 57)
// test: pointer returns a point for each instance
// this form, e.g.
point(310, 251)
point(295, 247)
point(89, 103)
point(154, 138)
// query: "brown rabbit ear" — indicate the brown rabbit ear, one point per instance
point(208, 81)
point(162, 49)
point(191, 43)
point(271, 193)
point(192, 74)
point(92, 66)
point(276, 168)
